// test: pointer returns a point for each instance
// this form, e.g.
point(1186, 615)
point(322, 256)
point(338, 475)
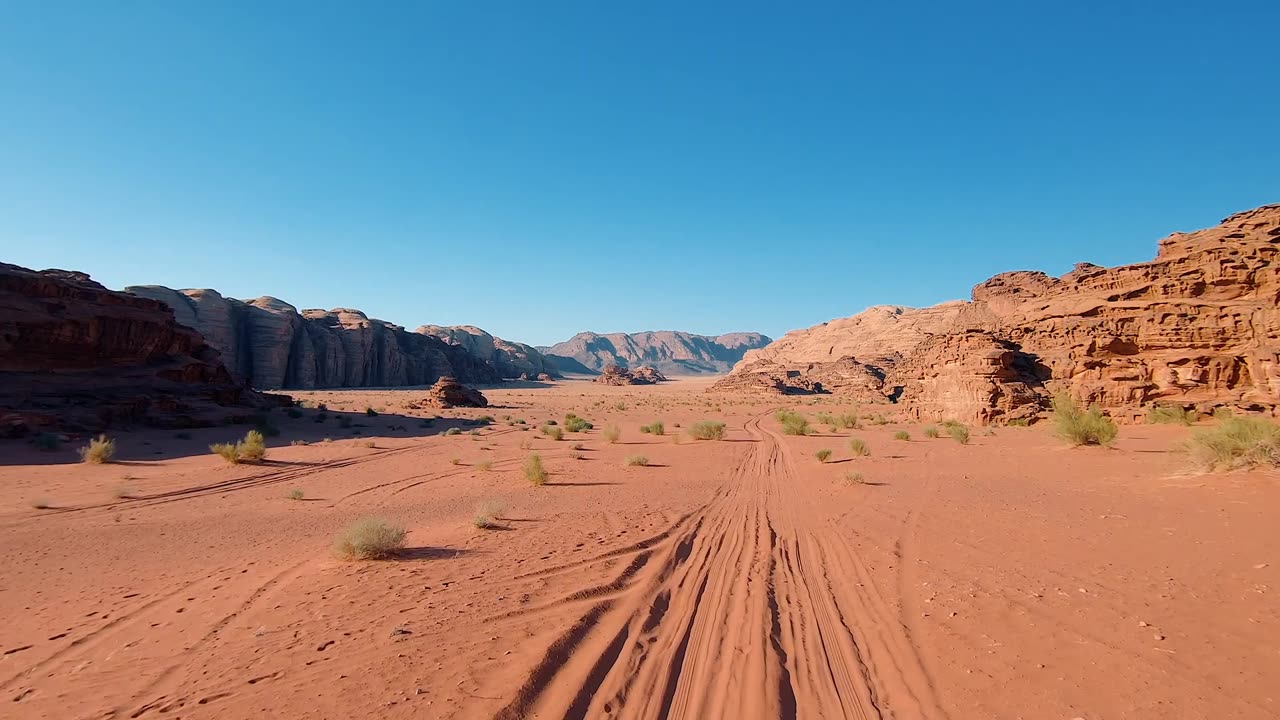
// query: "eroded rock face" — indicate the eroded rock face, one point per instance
point(75, 354)
point(643, 375)
point(670, 352)
point(509, 359)
point(272, 345)
point(1198, 325)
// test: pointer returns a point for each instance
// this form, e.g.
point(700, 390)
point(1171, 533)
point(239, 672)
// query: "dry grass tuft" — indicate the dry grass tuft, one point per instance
point(930, 431)
point(612, 433)
point(553, 432)
point(902, 435)
point(1236, 442)
point(823, 455)
point(487, 514)
point(1171, 415)
point(707, 430)
point(1078, 427)
point(534, 471)
point(859, 447)
point(853, 478)
point(252, 448)
point(101, 449)
point(296, 494)
point(637, 460)
point(369, 539)
point(654, 428)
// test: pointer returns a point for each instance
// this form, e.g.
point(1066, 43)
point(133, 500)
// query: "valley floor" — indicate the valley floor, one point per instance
point(1012, 577)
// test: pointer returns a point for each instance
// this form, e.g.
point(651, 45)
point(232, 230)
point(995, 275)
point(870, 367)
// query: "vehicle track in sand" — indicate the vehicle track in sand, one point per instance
point(749, 607)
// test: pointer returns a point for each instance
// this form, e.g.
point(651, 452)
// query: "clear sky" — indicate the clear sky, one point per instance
point(541, 168)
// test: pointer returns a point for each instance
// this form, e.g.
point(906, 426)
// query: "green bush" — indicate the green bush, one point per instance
point(848, 421)
point(553, 432)
point(1171, 415)
point(534, 471)
point(958, 432)
point(573, 423)
point(101, 449)
point(1235, 443)
point(902, 435)
point(707, 430)
point(823, 455)
point(858, 447)
point(1078, 427)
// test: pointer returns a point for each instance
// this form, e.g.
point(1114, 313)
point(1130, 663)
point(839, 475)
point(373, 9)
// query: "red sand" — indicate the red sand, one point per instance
point(1010, 578)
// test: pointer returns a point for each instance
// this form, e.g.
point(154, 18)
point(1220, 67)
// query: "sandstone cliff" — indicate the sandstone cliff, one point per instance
point(510, 359)
point(77, 355)
point(671, 352)
point(1197, 326)
point(269, 343)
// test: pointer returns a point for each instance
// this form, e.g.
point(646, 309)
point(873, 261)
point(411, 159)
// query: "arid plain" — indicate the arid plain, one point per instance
point(1010, 577)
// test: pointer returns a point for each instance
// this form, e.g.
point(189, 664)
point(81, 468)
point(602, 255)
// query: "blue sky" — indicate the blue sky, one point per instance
point(543, 168)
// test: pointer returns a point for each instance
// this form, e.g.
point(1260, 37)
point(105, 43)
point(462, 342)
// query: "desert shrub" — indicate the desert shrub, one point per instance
point(121, 492)
point(823, 455)
point(902, 435)
point(296, 494)
point(455, 461)
point(483, 465)
point(553, 432)
point(252, 448)
point(858, 447)
point(453, 431)
point(848, 421)
point(1171, 415)
point(534, 471)
point(1222, 412)
point(612, 433)
point(958, 432)
point(41, 503)
point(293, 412)
point(573, 423)
point(793, 423)
point(368, 444)
point(101, 449)
point(853, 478)
point(654, 428)
point(576, 456)
point(1019, 422)
point(369, 539)
point(878, 419)
point(824, 418)
point(47, 441)
point(1235, 443)
point(637, 460)
point(370, 412)
point(1078, 427)
point(485, 419)
point(487, 514)
point(707, 430)
point(930, 431)
point(577, 446)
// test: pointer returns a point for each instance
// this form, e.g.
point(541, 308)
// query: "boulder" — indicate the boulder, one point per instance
point(447, 392)
point(643, 375)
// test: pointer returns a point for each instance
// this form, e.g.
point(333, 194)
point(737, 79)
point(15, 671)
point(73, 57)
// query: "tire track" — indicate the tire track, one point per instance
point(745, 608)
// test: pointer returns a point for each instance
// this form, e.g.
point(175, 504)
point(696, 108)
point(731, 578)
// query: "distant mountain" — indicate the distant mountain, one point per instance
point(670, 352)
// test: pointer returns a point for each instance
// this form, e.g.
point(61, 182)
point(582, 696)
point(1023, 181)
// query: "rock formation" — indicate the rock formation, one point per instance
point(673, 353)
point(76, 355)
point(1197, 326)
point(269, 343)
point(510, 359)
point(447, 392)
point(643, 375)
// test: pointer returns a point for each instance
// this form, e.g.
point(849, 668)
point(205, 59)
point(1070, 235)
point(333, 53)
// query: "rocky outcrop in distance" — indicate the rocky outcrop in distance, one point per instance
point(272, 345)
point(670, 352)
point(643, 375)
point(510, 359)
point(77, 356)
point(1198, 326)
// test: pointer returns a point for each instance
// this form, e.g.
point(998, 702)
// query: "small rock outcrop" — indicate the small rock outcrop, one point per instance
point(670, 352)
point(76, 355)
point(1197, 326)
point(447, 392)
point(643, 375)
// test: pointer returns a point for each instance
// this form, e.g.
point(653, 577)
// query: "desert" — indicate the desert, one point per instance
point(639, 361)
